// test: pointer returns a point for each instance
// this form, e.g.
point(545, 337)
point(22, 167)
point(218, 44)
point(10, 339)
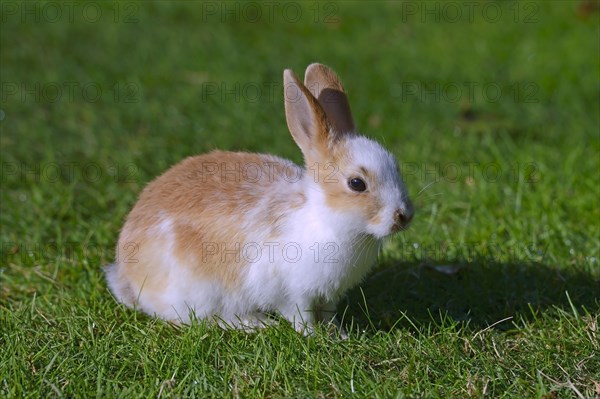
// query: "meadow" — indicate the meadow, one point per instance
point(492, 108)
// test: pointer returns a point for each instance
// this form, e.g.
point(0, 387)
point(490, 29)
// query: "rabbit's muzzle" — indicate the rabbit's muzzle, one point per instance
point(402, 220)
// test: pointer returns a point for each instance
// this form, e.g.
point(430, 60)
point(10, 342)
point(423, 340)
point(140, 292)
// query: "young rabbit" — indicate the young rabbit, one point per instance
point(234, 236)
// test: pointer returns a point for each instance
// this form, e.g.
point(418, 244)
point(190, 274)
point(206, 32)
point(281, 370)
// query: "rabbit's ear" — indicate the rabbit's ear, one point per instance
point(324, 84)
point(305, 117)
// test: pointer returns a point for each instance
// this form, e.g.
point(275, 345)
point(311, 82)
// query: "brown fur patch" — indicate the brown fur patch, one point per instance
point(213, 205)
point(138, 270)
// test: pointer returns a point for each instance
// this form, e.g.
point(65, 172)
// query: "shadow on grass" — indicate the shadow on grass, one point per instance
point(479, 293)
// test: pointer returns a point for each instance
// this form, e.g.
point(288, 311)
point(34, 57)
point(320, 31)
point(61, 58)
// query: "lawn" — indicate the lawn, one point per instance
point(492, 109)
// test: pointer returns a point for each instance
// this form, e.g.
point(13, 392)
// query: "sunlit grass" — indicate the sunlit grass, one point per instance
point(492, 292)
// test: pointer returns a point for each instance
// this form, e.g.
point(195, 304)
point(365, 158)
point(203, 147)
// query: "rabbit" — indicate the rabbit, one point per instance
point(236, 237)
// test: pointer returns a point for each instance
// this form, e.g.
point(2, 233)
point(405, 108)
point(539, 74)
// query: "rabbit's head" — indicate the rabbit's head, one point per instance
point(356, 176)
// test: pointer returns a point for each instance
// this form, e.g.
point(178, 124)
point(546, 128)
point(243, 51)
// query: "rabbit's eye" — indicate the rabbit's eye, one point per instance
point(357, 184)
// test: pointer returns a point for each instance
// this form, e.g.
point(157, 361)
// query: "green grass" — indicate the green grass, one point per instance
point(493, 292)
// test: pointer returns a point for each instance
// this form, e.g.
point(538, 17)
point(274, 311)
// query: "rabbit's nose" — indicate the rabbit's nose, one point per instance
point(402, 219)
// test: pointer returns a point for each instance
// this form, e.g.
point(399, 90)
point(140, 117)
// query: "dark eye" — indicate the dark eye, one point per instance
point(357, 184)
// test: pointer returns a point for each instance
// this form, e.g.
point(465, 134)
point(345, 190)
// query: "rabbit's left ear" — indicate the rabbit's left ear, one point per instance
point(326, 87)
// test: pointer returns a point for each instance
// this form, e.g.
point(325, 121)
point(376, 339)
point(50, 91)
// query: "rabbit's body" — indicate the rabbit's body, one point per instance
point(235, 235)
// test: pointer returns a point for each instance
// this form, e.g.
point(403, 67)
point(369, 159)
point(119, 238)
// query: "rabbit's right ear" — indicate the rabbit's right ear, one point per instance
point(305, 118)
